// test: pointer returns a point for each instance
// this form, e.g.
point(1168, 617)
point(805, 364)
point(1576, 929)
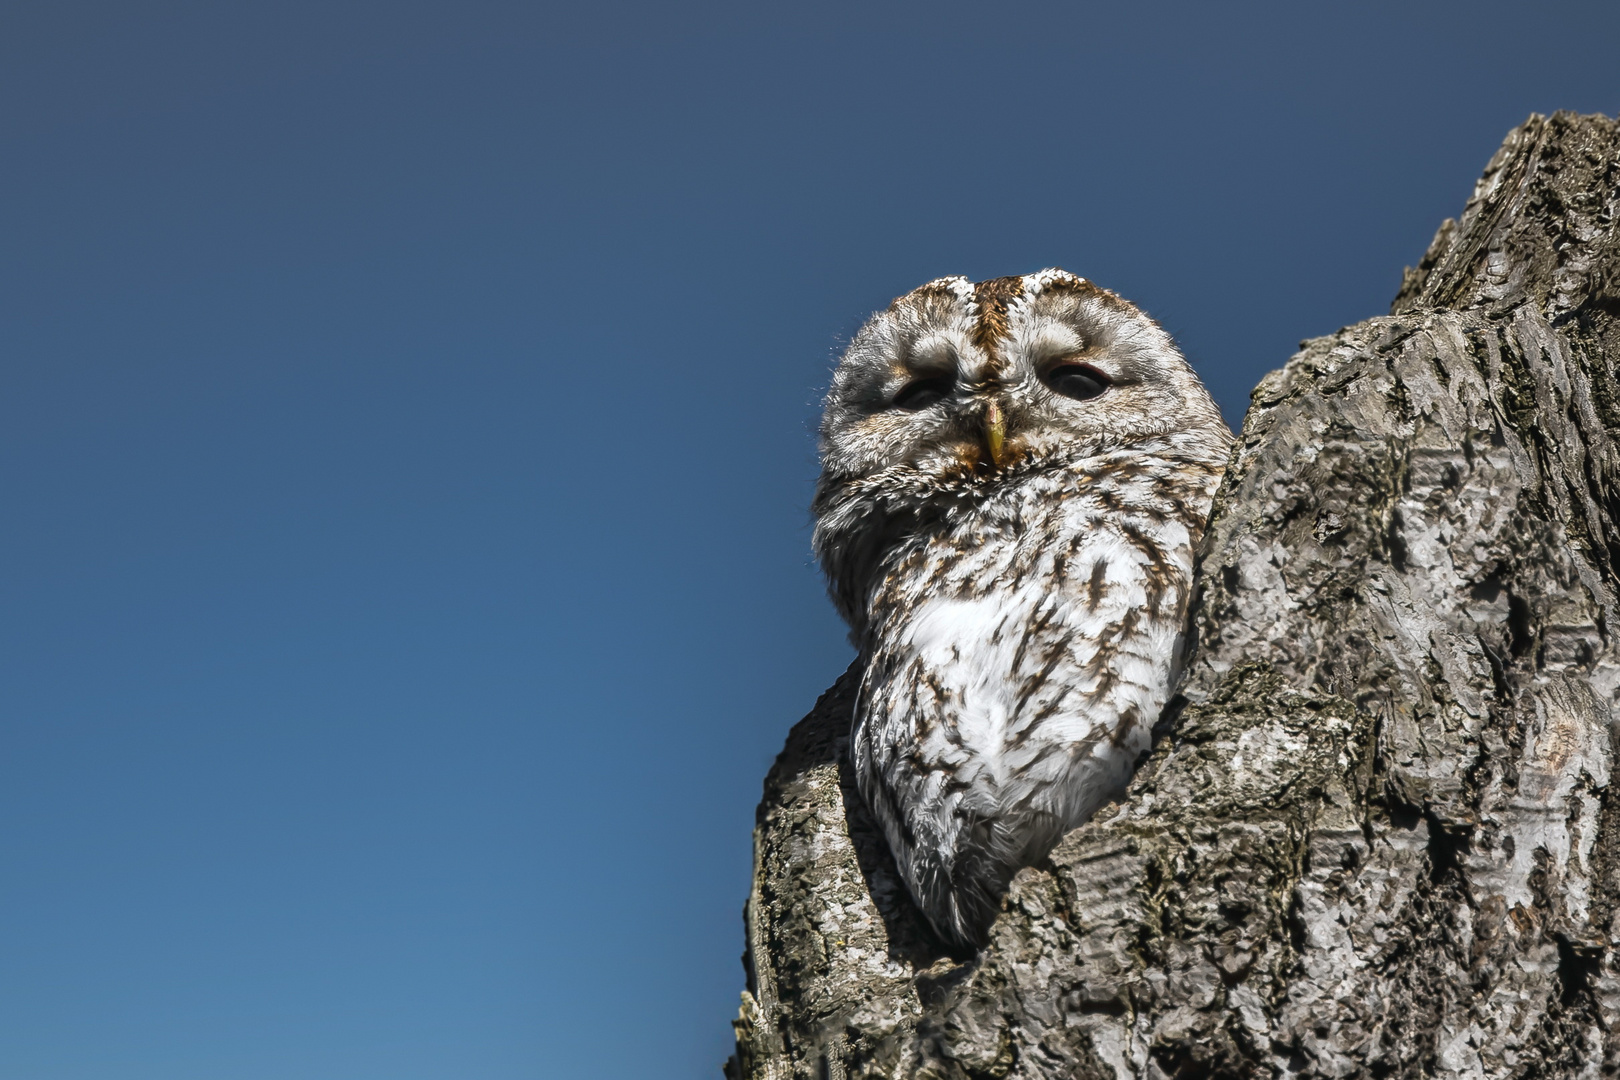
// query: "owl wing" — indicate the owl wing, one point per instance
point(955, 844)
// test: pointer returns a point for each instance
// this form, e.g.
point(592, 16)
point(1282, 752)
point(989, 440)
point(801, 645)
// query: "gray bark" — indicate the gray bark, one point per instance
point(1378, 837)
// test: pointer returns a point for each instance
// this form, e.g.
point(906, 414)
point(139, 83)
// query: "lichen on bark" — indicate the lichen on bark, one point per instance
point(1378, 836)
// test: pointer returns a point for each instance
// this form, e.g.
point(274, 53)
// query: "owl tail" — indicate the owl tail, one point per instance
point(964, 898)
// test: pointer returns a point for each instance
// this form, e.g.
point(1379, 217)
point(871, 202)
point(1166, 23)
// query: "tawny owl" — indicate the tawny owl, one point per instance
point(1015, 474)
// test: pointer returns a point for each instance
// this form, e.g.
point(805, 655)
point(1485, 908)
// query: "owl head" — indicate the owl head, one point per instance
point(959, 389)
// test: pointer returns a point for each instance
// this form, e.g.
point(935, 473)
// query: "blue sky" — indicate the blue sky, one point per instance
point(406, 436)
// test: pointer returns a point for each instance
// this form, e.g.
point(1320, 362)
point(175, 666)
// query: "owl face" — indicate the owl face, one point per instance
point(959, 380)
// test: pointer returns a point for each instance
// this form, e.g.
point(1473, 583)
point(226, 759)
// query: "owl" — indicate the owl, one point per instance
point(1014, 477)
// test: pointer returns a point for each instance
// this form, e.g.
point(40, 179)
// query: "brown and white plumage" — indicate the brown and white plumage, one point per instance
point(1015, 474)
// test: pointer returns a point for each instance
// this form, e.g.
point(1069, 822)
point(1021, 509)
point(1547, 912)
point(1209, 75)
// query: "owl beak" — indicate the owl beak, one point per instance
point(995, 433)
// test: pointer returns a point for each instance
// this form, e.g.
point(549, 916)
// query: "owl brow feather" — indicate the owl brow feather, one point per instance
point(991, 301)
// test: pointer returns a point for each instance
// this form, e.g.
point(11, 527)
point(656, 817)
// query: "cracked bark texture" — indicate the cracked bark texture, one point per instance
point(1378, 837)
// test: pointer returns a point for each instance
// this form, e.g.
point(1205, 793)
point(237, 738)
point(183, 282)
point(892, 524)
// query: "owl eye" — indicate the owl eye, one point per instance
point(921, 393)
point(1078, 381)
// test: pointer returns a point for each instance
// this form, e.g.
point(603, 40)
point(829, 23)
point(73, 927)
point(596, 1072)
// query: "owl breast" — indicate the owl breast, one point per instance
point(1022, 648)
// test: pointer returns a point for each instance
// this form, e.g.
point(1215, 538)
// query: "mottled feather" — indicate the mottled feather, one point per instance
point(1019, 602)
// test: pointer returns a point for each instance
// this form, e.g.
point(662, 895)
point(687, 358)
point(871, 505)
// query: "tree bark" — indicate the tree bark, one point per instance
point(1377, 837)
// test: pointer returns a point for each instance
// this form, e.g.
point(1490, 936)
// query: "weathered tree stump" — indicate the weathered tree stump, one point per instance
point(1378, 837)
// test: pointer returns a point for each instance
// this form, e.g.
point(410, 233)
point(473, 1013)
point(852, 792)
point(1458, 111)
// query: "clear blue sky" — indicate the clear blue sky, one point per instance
point(406, 435)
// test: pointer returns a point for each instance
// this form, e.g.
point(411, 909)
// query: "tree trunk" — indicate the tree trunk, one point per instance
point(1378, 838)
